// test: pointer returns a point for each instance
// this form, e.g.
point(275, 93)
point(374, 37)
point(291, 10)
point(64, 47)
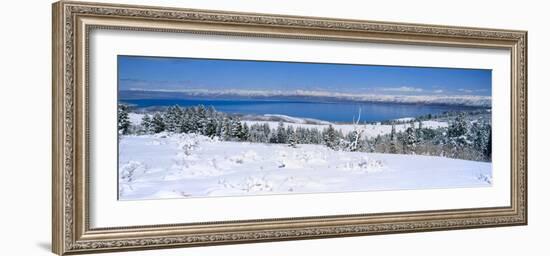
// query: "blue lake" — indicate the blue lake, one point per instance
point(328, 111)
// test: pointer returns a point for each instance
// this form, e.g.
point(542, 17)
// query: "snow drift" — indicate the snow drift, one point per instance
point(167, 165)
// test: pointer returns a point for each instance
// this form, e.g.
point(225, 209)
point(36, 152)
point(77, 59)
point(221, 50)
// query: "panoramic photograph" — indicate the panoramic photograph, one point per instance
point(194, 128)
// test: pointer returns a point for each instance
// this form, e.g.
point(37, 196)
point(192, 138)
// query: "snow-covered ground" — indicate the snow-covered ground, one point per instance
point(291, 119)
point(188, 165)
point(404, 119)
point(369, 130)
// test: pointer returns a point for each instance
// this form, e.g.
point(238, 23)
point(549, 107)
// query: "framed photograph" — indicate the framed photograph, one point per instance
point(179, 127)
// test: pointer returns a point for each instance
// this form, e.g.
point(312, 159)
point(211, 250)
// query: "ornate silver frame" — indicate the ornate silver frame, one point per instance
point(72, 22)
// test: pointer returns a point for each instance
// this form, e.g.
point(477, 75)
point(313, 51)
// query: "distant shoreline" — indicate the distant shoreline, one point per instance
point(308, 96)
point(307, 112)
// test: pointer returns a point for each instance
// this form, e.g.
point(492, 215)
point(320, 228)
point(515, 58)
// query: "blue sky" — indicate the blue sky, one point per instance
point(153, 73)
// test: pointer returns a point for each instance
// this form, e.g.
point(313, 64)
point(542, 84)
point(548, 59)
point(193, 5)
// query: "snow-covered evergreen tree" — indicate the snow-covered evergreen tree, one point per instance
point(226, 129)
point(173, 118)
point(186, 123)
point(192, 120)
point(256, 134)
point(211, 122)
point(236, 128)
point(245, 132)
point(393, 140)
point(280, 134)
point(292, 138)
point(480, 134)
point(331, 138)
point(456, 135)
point(409, 143)
point(202, 120)
point(146, 124)
point(157, 123)
point(420, 132)
point(123, 119)
point(210, 127)
point(316, 137)
point(458, 127)
point(266, 132)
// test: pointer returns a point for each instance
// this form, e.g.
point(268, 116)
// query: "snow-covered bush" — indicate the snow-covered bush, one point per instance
point(130, 170)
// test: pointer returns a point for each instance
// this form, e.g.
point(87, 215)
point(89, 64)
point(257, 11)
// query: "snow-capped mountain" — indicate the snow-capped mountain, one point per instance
point(462, 100)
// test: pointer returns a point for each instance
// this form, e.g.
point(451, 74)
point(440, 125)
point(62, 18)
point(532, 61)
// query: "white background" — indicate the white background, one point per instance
point(25, 128)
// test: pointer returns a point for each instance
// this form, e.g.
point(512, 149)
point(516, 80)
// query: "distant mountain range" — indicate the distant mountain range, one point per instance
point(304, 95)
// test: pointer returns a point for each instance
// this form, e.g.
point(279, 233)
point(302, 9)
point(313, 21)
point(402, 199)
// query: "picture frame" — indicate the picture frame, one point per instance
point(73, 204)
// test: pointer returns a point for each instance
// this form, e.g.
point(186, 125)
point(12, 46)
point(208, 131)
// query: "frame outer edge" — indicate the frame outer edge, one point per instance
point(57, 130)
point(65, 239)
point(525, 107)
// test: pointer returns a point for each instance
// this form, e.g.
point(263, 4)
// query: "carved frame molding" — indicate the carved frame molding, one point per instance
point(72, 22)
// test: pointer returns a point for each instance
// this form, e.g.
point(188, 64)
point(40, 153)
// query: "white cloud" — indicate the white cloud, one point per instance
point(465, 90)
point(438, 91)
point(402, 89)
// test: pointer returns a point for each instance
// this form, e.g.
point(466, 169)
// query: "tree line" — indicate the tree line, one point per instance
point(461, 139)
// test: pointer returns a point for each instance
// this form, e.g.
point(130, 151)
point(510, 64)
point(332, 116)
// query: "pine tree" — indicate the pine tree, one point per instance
point(409, 144)
point(308, 136)
point(157, 123)
point(420, 132)
point(256, 133)
point(481, 136)
point(192, 120)
point(281, 136)
point(123, 119)
point(393, 138)
point(458, 127)
point(146, 124)
point(186, 125)
point(316, 136)
point(245, 132)
point(172, 119)
point(236, 128)
point(202, 121)
point(210, 124)
point(291, 137)
point(266, 132)
point(211, 128)
point(219, 124)
point(330, 137)
point(456, 135)
point(273, 137)
point(226, 129)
